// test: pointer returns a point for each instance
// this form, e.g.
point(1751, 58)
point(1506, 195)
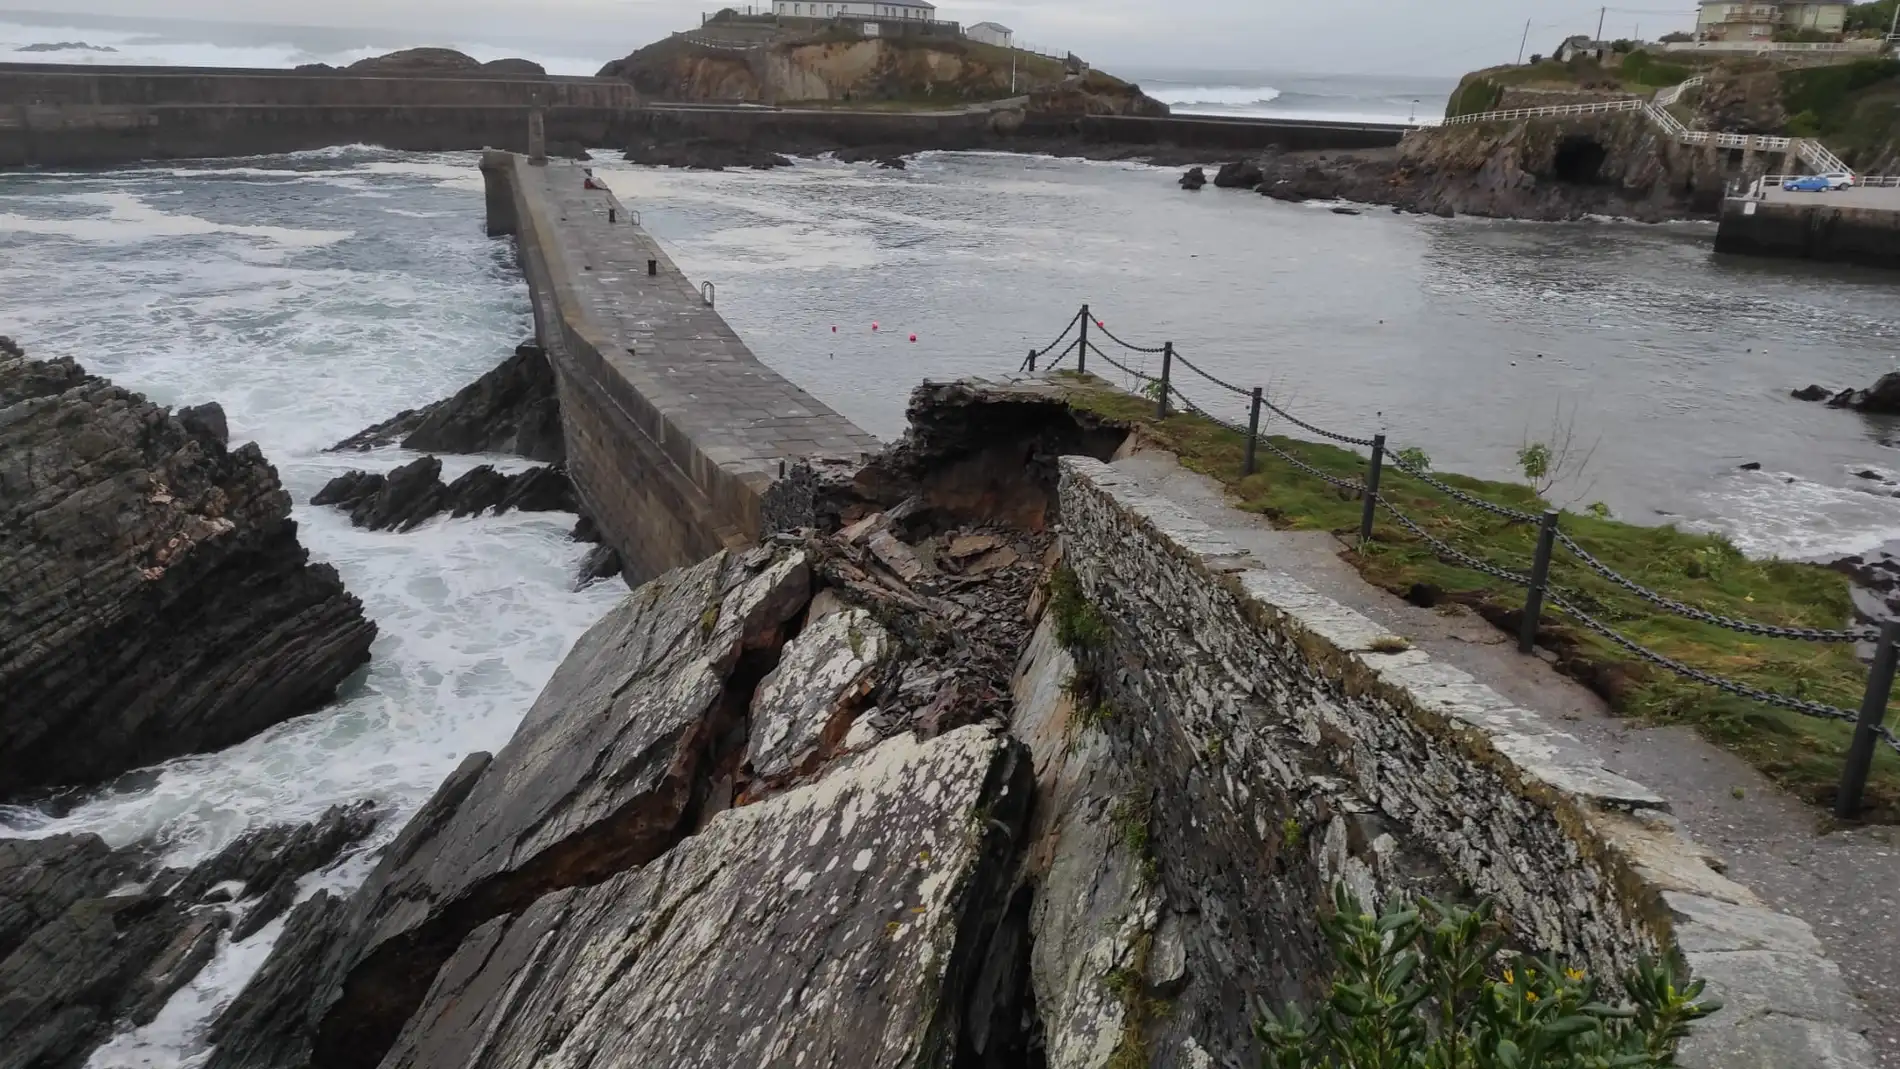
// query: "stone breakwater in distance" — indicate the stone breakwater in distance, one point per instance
point(850, 774)
point(157, 599)
point(88, 116)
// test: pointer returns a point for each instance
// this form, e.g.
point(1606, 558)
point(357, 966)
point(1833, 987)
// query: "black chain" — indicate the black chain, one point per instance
point(1321, 431)
point(1452, 553)
point(1747, 627)
point(1126, 345)
point(1743, 690)
point(1223, 384)
point(1449, 490)
point(1044, 351)
point(1112, 362)
point(1064, 355)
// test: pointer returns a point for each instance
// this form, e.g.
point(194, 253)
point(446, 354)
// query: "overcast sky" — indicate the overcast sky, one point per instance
point(1360, 36)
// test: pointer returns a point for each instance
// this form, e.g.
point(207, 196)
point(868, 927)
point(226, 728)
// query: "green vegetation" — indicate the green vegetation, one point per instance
point(1876, 17)
point(1802, 753)
point(1078, 626)
point(1854, 107)
point(1645, 69)
point(1415, 988)
point(1473, 96)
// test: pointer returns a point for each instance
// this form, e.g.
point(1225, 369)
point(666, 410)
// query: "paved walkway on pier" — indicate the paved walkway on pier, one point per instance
point(674, 348)
point(1845, 884)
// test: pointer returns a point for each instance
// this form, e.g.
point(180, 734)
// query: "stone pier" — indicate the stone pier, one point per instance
point(674, 428)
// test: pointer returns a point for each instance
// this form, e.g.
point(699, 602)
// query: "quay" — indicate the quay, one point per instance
point(674, 429)
point(1855, 226)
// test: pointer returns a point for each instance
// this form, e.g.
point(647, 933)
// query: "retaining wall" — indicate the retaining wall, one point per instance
point(1285, 744)
point(1866, 236)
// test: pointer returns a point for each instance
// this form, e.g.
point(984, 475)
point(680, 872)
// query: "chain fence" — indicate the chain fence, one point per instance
point(1870, 727)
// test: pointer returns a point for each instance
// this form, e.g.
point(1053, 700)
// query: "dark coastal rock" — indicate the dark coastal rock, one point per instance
point(892, 163)
point(418, 61)
point(1753, 465)
point(514, 66)
point(1865, 473)
point(1283, 192)
point(601, 777)
point(1242, 175)
point(410, 495)
point(92, 938)
point(511, 409)
point(1882, 397)
point(1811, 393)
point(601, 562)
point(1345, 211)
point(703, 154)
point(1195, 178)
point(159, 602)
point(875, 888)
point(207, 419)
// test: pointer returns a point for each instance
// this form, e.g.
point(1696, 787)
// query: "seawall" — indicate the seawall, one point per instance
point(1866, 236)
point(675, 431)
point(52, 116)
point(80, 116)
point(1283, 742)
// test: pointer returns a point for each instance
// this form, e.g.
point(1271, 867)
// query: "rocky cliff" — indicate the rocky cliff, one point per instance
point(1614, 165)
point(154, 599)
point(923, 71)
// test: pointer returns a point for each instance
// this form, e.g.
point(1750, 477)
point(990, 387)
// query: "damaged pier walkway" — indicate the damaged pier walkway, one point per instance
point(675, 430)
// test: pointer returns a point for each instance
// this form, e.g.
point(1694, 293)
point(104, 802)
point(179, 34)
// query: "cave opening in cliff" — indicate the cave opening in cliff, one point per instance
point(1580, 160)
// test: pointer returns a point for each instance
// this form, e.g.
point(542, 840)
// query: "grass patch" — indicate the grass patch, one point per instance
point(1854, 107)
point(1079, 627)
point(1803, 754)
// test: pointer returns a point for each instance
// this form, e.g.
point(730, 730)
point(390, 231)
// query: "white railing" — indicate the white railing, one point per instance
point(1810, 150)
point(1867, 44)
point(1817, 154)
point(1598, 108)
point(1775, 181)
point(1669, 96)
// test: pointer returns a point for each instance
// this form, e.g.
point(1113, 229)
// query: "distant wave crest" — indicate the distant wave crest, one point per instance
point(1215, 95)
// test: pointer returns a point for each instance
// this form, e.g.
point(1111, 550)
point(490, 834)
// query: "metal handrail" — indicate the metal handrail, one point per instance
point(1597, 108)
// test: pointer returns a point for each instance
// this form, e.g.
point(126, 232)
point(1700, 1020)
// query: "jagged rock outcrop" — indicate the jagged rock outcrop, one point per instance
point(1242, 175)
point(1883, 396)
point(1195, 178)
point(154, 599)
point(417, 60)
point(873, 889)
point(93, 938)
point(701, 154)
point(815, 664)
point(1616, 165)
point(413, 493)
point(511, 409)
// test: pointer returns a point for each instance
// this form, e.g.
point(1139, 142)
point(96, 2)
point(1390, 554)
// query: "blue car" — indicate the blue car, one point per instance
point(1809, 184)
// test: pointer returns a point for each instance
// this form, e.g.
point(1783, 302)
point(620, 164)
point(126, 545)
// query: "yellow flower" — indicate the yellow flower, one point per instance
point(1508, 978)
point(1531, 995)
point(1576, 975)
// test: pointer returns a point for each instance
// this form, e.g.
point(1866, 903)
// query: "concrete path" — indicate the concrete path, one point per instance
point(1845, 884)
point(1883, 197)
point(673, 347)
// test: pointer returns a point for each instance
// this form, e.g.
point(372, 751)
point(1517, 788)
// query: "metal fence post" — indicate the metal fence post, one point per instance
point(1373, 467)
point(1082, 350)
point(1253, 431)
point(1031, 362)
point(1873, 709)
point(1167, 365)
point(1540, 577)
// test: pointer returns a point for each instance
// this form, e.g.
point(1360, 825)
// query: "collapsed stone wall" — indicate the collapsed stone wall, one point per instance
point(1288, 740)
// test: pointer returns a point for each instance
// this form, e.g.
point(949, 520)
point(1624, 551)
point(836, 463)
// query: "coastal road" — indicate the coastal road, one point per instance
point(1886, 197)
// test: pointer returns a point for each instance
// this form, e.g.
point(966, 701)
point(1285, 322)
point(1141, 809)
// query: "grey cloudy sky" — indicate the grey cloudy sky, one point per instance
point(1362, 36)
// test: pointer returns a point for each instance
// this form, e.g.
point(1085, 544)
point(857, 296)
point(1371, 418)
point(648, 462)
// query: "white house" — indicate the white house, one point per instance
point(1732, 20)
point(920, 10)
point(990, 33)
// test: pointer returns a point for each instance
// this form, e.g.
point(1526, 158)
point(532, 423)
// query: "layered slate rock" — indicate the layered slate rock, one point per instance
point(837, 925)
point(807, 703)
point(93, 938)
point(414, 493)
point(511, 409)
point(604, 775)
point(154, 598)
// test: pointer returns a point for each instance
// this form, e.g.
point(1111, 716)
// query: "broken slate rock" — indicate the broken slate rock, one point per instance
point(599, 778)
point(511, 409)
point(807, 702)
point(158, 601)
point(838, 924)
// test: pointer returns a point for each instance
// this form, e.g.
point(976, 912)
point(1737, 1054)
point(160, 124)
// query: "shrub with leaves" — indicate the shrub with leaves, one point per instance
point(1419, 988)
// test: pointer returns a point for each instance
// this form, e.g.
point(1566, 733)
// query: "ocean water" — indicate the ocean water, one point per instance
point(1288, 95)
point(310, 296)
point(315, 293)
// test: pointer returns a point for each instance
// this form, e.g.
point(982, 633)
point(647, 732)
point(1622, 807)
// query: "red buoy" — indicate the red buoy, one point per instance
point(834, 330)
point(874, 328)
point(913, 337)
point(1101, 324)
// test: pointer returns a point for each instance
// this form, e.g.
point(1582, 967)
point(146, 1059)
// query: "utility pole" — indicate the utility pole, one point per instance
point(1893, 31)
point(1601, 12)
point(1523, 41)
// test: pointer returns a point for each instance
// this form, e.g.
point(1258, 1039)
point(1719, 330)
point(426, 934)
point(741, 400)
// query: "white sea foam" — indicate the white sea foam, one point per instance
point(273, 305)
